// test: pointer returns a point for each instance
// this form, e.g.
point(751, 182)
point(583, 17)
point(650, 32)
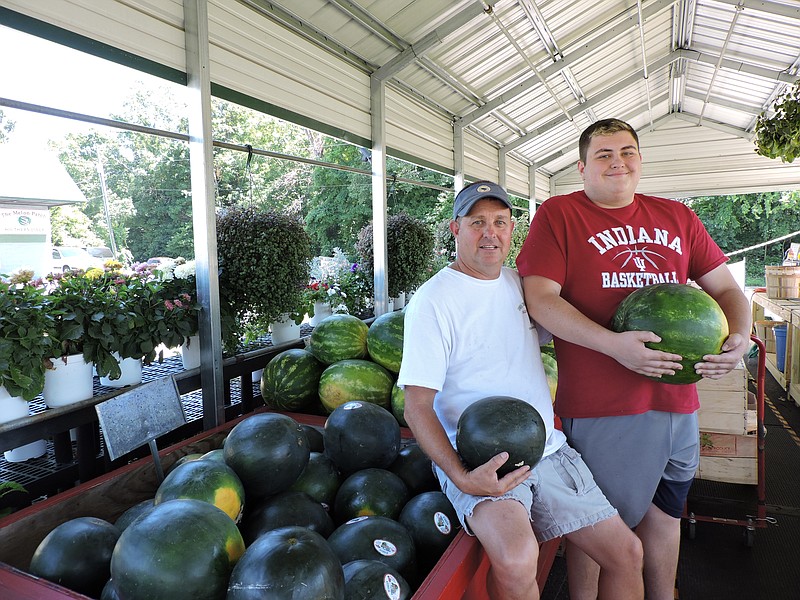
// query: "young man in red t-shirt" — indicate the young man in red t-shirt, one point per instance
point(585, 252)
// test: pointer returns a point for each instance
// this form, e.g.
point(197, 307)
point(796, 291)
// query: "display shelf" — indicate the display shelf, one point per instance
point(788, 311)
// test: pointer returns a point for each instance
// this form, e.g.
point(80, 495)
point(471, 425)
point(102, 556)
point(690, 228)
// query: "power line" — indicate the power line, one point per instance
point(762, 244)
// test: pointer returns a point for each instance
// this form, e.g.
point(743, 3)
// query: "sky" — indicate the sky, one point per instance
point(49, 74)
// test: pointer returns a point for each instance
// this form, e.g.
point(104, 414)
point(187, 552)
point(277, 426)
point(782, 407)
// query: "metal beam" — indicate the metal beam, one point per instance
point(738, 66)
point(705, 122)
point(595, 100)
point(772, 8)
point(293, 23)
point(434, 38)
point(631, 22)
point(204, 222)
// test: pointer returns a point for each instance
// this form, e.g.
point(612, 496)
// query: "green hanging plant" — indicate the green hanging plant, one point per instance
point(779, 136)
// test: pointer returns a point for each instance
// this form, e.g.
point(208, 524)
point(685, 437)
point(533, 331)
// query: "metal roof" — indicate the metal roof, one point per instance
point(529, 75)
point(520, 78)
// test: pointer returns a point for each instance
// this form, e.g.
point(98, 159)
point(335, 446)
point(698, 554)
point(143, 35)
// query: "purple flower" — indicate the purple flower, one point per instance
point(354, 268)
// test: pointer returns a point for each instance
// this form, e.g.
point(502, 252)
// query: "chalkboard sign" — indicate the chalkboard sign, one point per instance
point(138, 416)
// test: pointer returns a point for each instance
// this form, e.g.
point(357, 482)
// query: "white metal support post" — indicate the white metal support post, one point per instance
point(195, 13)
point(377, 98)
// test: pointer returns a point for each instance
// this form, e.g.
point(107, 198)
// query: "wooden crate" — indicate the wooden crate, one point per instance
point(460, 574)
point(725, 404)
point(728, 458)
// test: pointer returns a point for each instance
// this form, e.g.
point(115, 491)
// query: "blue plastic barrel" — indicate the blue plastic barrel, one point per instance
point(780, 345)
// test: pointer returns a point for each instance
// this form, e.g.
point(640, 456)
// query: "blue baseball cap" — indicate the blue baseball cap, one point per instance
point(478, 190)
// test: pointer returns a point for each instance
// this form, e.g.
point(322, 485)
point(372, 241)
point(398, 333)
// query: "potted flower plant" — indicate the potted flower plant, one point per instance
point(75, 300)
point(264, 266)
point(409, 244)
point(27, 337)
point(778, 136)
point(179, 292)
point(27, 340)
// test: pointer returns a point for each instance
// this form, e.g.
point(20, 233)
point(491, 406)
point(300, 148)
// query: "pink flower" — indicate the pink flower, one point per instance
point(178, 303)
point(169, 304)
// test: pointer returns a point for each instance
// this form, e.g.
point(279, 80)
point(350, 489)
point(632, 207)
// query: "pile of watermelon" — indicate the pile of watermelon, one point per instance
point(345, 360)
point(282, 510)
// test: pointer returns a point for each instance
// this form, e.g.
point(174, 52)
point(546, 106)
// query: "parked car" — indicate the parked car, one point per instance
point(157, 260)
point(69, 258)
point(104, 253)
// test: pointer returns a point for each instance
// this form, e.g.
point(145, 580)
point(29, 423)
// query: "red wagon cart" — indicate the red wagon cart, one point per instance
point(750, 521)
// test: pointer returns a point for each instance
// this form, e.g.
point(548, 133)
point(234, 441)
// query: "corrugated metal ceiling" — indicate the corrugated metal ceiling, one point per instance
point(531, 74)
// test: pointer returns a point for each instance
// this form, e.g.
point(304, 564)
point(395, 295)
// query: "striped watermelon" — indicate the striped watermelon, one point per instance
point(339, 337)
point(385, 340)
point(290, 380)
point(355, 379)
point(688, 321)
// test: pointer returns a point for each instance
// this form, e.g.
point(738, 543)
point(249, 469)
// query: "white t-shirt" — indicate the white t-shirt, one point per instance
point(470, 338)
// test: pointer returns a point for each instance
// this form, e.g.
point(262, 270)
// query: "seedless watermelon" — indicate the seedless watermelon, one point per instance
point(688, 321)
point(500, 424)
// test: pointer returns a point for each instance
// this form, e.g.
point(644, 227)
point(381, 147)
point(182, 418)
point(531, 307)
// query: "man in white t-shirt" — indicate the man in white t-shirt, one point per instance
point(468, 336)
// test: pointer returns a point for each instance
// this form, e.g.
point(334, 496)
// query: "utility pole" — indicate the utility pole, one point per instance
point(104, 189)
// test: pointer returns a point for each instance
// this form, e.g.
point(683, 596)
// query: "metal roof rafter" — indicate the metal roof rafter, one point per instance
point(604, 35)
point(435, 37)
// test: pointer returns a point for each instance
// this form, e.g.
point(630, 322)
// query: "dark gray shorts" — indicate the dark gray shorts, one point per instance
point(631, 455)
point(559, 494)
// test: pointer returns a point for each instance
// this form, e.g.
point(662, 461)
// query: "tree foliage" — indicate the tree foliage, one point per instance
point(740, 221)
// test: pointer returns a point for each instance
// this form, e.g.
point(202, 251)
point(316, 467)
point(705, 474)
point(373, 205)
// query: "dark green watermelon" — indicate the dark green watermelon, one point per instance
point(130, 515)
point(361, 380)
point(291, 379)
point(501, 424)
point(282, 510)
point(376, 538)
point(373, 580)
point(314, 437)
point(370, 492)
point(385, 340)
point(268, 451)
point(433, 524)
point(181, 550)
point(339, 337)
point(414, 467)
point(359, 435)
point(77, 555)
point(688, 321)
point(320, 480)
point(289, 563)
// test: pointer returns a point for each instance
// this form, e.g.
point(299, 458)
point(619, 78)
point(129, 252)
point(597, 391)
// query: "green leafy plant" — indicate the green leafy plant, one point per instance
point(264, 267)
point(409, 243)
point(179, 295)
point(7, 487)
point(778, 136)
point(28, 338)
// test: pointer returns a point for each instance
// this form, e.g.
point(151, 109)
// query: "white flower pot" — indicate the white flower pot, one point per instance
point(322, 310)
point(68, 382)
point(12, 408)
point(190, 353)
point(131, 373)
point(400, 301)
point(284, 330)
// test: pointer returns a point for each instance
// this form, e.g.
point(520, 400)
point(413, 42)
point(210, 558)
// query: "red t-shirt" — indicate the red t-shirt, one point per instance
point(599, 256)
